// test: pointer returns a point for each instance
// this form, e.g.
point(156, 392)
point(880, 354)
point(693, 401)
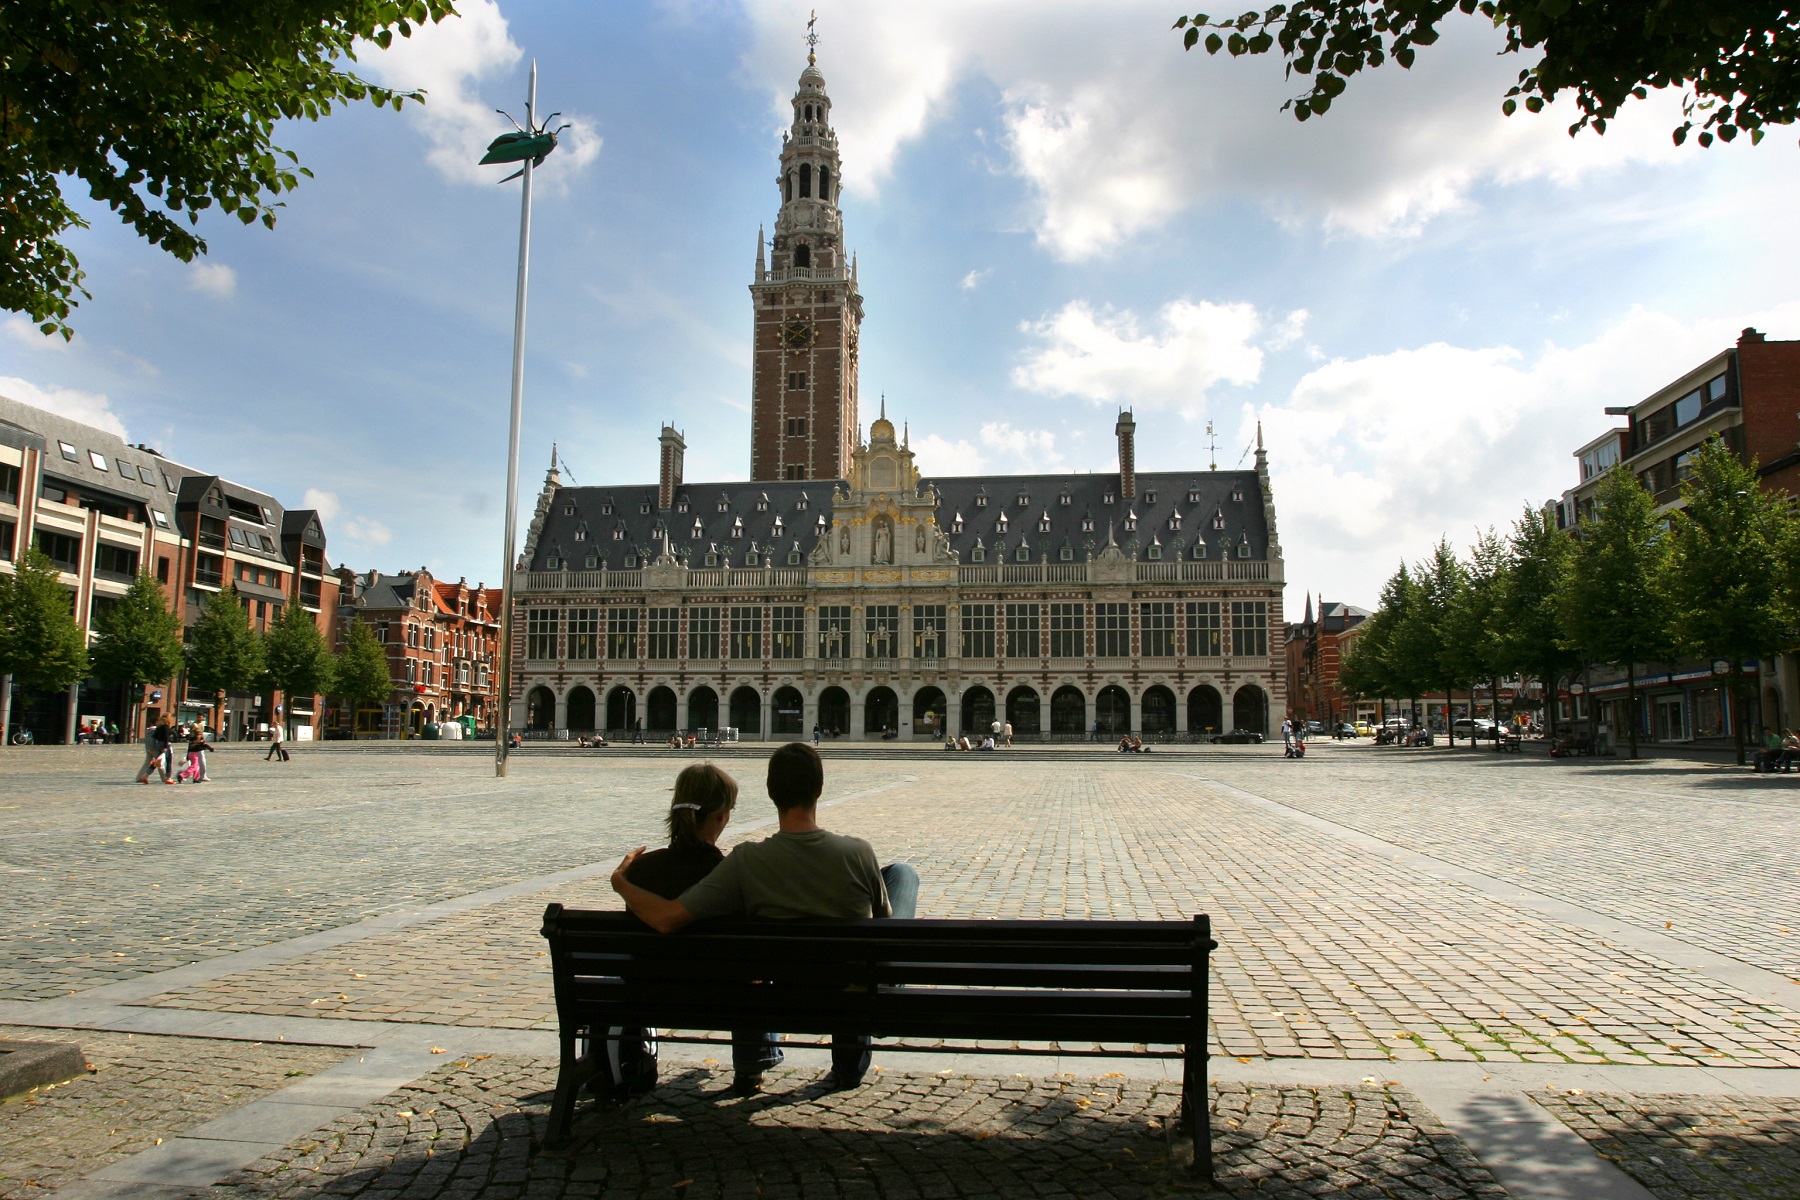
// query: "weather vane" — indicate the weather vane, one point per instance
point(534, 142)
point(812, 37)
point(1212, 446)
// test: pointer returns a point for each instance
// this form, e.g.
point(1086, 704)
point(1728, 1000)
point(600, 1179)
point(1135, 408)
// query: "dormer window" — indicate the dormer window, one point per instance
point(1087, 524)
point(981, 502)
point(1064, 499)
point(1130, 521)
point(956, 524)
point(801, 504)
point(737, 528)
point(1067, 554)
point(712, 558)
point(1107, 499)
point(821, 523)
point(1199, 551)
point(681, 505)
point(606, 508)
point(698, 527)
point(1244, 548)
point(1193, 495)
point(1044, 523)
point(631, 560)
point(618, 535)
point(552, 562)
point(1218, 519)
point(724, 504)
point(977, 554)
point(568, 510)
point(1237, 493)
point(793, 558)
point(1175, 520)
point(643, 506)
point(762, 505)
point(1002, 523)
point(1024, 500)
point(750, 559)
point(1149, 498)
point(1022, 554)
point(1154, 551)
point(581, 534)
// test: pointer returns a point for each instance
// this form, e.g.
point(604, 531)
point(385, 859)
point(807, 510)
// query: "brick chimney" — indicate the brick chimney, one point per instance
point(673, 447)
point(1127, 431)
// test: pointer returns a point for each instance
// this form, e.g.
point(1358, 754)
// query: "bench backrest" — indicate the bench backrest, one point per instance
point(1121, 981)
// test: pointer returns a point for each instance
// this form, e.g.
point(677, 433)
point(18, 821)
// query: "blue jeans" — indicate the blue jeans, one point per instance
point(753, 1052)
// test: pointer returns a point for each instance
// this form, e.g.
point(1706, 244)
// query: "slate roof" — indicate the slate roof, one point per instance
point(145, 479)
point(730, 519)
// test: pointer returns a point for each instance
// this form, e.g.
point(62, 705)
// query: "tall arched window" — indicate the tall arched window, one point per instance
point(824, 183)
point(805, 180)
point(788, 191)
point(809, 112)
point(802, 255)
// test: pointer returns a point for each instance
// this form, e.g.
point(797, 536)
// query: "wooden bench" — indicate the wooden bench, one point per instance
point(1512, 742)
point(1140, 983)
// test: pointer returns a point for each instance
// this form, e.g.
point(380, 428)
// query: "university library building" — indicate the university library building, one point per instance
point(841, 589)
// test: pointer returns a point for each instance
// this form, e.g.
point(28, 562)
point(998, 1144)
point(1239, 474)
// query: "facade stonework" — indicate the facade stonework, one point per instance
point(441, 639)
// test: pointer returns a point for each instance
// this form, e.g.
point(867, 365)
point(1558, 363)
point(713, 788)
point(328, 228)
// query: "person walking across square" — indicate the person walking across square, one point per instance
point(276, 749)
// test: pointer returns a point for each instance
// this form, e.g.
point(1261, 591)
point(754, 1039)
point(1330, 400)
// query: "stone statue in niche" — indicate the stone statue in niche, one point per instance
point(884, 542)
point(844, 541)
point(919, 540)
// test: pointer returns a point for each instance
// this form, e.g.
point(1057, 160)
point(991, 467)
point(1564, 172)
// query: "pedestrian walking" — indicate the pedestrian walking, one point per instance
point(1008, 729)
point(1096, 734)
point(1287, 731)
point(276, 749)
point(637, 731)
point(815, 733)
point(153, 750)
point(194, 770)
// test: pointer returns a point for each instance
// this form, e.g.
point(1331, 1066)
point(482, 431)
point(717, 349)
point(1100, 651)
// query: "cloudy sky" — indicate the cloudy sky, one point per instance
point(1426, 304)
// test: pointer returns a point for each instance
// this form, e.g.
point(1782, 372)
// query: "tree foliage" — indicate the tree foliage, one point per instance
point(224, 653)
point(296, 660)
point(1739, 60)
point(1725, 573)
point(360, 678)
point(138, 640)
point(1532, 641)
point(163, 109)
point(41, 646)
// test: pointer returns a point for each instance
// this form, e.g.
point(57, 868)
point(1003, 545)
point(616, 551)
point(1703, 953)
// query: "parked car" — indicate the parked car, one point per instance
point(1238, 737)
point(1480, 727)
point(1315, 728)
point(1364, 729)
point(1345, 730)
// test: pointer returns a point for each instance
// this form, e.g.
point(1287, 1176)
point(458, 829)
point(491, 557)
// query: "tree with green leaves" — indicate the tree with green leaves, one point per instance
point(1477, 622)
point(42, 649)
point(1532, 639)
point(1738, 61)
point(1725, 575)
point(1425, 643)
point(360, 676)
point(163, 109)
point(296, 661)
point(1613, 605)
point(138, 641)
point(223, 654)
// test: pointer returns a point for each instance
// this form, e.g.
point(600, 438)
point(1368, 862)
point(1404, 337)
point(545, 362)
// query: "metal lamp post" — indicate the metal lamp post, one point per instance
point(528, 145)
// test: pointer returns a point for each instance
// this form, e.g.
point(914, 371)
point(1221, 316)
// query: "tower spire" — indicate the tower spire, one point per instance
point(812, 38)
point(761, 266)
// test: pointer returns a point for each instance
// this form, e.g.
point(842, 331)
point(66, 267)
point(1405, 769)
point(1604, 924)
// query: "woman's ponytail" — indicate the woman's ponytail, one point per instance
point(700, 791)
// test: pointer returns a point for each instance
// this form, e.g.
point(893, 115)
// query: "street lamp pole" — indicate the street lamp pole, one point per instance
point(530, 145)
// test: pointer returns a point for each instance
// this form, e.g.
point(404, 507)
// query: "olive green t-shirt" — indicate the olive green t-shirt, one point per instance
point(789, 875)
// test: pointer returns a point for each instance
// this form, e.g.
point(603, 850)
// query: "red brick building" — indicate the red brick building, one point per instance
point(441, 639)
point(1315, 656)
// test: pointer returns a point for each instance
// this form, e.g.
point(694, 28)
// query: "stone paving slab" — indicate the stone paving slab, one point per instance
point(1324, 950)
point(1646, 842)
point(472, 1131)
point(1691, 1147)
point(144, 1090)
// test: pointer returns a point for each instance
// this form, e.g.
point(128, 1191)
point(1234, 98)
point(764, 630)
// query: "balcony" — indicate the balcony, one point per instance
point(209, 579)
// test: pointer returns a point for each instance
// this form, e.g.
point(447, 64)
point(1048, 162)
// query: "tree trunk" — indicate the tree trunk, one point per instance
point(1549, 680)
point(5, 709)
point(1631, 705)
point(1494, 697)
point(1450, 712)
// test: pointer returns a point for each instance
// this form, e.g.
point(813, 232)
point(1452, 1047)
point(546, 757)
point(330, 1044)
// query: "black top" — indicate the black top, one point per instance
point(672, 870)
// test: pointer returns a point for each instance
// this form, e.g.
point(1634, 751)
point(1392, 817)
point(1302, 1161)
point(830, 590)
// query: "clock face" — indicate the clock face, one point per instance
point(797, 333)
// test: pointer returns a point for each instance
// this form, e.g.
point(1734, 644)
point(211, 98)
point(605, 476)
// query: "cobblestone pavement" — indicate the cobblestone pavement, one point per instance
point(143, 1089)
point(1323, 951)
point(1692, 1147)
point(103, 880)
point(1709, 854)
point(472, 1131)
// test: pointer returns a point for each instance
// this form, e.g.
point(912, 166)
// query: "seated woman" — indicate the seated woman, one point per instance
point(1125, 744)
point(698, 813)
point(962, 743)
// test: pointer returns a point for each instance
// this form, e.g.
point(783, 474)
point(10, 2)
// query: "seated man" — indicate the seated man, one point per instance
point(801, 871)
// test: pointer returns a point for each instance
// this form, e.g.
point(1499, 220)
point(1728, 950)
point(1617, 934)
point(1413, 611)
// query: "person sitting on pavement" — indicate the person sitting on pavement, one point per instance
point(1770, 755)
point(987, 743)
point(698, 813)
point(962, 743)
point(801, 871)
point(1790, 750)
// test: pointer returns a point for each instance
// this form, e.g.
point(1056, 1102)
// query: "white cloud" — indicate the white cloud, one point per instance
point(1291, 330)
point(90, 408)
point(325, 503)
point(1035, 449)
point(938, 456)
point(973, 279)
point(451, 60)
point(1116, 131)
point(365, 530)
point(1375, 458)
point(215, 279)
point(1106, 357)
point(23, 331)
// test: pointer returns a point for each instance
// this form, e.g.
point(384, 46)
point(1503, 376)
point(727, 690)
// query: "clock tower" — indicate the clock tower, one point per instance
point(807, 310)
